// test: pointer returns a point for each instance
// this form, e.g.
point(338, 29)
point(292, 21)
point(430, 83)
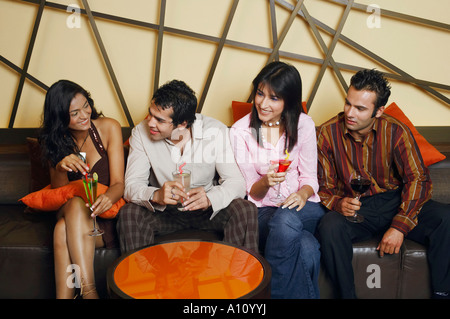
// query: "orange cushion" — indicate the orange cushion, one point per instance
point(429, 153)
point(240, 109)
point(51, 199)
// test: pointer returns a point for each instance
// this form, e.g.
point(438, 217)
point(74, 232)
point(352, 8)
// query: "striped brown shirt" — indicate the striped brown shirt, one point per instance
point(389, 153)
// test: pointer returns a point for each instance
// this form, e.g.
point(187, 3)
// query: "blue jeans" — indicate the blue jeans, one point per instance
point(288, 244)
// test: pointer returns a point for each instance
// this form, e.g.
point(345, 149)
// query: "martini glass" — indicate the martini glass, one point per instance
point(283, 165)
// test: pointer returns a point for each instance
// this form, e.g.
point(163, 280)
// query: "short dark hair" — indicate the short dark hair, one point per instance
point(285, 81)
point(374, 81)
point(180, 97)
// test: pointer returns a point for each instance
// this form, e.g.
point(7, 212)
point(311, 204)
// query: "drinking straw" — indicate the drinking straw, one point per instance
point(95, 177)
point(86, 191)
point(287, 155)
point(180, 169)
point(89, 186)
point(91, 191)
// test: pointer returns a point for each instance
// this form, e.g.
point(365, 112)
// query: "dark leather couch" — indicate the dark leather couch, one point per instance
point(26, 257)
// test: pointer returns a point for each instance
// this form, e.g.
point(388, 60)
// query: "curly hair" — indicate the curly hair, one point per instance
point(55, 137)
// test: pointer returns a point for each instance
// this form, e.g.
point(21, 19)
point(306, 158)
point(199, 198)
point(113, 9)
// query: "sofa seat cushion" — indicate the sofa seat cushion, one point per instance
point(26, 272)
point(103, 260)
point(416, 283)
point(37, 279)
point(18, 227)
point(375, 277)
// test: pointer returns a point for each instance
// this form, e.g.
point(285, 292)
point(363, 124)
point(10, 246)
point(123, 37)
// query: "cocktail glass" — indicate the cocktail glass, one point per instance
point(90, 186)
point(283, 165)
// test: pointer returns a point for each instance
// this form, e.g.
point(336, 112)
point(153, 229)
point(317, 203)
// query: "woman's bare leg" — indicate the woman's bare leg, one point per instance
point(73, 245)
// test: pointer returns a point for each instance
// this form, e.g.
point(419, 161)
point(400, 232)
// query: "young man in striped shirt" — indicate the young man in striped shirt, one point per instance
point(398, 203)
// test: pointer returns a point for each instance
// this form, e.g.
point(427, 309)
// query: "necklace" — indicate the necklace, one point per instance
point(270, 124)
point(263, 138)
point(84, 141)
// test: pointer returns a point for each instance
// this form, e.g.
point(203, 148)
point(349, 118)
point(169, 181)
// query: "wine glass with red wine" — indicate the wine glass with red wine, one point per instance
point(360, 184)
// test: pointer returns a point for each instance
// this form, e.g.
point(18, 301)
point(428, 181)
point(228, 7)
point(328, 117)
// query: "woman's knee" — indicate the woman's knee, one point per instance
point(286, 218)
point(311, 214)
point(76, 202)
point(72, 206)
point(75, 212)
point(284, 228)
point(312, 211)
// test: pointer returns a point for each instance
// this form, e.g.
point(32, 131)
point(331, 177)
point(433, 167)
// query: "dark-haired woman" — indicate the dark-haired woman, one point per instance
point(71, 125)
point(276, 128)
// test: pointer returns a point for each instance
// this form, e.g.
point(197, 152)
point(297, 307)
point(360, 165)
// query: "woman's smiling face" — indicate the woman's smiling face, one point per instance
point(80, 113)
point(268, 104)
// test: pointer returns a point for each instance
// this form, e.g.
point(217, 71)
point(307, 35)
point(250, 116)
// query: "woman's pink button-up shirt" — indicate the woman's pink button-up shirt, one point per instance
point(254, 160)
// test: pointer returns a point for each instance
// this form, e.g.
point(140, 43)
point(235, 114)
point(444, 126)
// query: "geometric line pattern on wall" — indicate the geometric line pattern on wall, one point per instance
point(274, 52)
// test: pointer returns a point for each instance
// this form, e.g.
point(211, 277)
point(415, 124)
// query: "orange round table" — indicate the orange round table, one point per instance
point(190, 270)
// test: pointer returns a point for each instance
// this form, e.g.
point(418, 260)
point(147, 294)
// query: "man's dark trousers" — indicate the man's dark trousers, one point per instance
point(336, 236)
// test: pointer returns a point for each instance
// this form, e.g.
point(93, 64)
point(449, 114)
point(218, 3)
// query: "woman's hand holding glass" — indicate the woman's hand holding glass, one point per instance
point(273, 177)
point(72, 163)
point(101, 205)
point(280, 167)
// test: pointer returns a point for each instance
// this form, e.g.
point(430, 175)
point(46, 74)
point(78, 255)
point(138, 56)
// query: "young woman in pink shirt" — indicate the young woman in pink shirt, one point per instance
point(276, 129)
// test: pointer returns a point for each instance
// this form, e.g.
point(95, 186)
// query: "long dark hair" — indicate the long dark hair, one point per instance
point(285, 81)
point(55, 137)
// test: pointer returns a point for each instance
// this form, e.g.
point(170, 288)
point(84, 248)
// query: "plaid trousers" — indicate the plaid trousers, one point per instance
point(137, 226)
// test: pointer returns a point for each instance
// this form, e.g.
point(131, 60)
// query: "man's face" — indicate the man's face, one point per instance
point(160, 122)
point(358, 111)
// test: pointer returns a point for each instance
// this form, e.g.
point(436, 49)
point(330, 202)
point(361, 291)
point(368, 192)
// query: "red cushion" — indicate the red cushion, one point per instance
point(429, 153)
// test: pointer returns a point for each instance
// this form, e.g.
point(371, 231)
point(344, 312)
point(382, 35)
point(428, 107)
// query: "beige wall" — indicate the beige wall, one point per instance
point(62, 52)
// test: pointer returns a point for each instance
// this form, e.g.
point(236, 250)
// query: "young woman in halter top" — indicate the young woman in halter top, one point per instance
point(72, 125)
